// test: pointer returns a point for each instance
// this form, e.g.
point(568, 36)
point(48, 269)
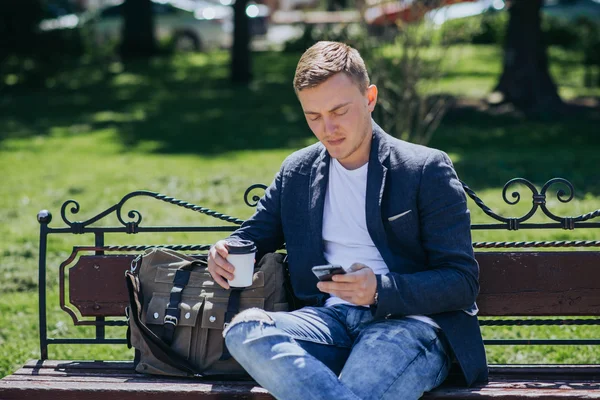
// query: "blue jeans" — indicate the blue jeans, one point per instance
point(339, 353)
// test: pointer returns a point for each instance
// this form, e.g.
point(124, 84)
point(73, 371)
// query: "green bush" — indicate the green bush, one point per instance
point(488, 28)
point(30, 54)
point(582, 34)
point(407, 73)
point(347, 33)
point(560, 32)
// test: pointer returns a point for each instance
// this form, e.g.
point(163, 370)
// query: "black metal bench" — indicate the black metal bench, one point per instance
point(520, 282)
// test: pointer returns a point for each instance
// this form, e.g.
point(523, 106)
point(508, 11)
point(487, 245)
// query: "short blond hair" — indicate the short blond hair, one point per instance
point(325, 59)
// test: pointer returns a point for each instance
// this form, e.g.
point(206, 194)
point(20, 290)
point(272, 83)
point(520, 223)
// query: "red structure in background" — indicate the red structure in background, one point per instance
point(406, 11)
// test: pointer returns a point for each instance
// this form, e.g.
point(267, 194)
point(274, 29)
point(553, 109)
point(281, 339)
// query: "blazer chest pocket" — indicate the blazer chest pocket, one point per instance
point(403, 223)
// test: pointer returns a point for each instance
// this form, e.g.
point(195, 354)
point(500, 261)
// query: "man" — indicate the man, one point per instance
point(394, 215)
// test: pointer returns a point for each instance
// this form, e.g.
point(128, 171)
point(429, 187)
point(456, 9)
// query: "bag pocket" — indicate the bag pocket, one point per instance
point(190, 307)
point(207, 352)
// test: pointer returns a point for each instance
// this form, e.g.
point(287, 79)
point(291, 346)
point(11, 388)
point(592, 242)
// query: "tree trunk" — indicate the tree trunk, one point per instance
point(526, 81)
point(138, 29)
point(241, 69)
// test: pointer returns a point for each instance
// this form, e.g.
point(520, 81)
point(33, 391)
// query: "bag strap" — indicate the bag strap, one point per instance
point(158, 348)
point(172, 312)
point(233, 307)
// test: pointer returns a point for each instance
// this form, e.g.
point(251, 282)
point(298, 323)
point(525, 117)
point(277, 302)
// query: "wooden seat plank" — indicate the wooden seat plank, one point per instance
point(61, 390)
point(509, 394)
point(66, 380)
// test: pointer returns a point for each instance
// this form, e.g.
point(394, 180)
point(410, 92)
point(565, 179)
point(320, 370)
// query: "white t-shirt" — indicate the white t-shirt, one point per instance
point(345, 236)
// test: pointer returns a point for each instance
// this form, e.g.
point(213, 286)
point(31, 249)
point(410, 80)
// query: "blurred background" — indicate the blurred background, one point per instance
point(194, 99)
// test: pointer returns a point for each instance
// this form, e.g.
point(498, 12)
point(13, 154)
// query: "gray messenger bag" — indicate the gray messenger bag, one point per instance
point(177, 312)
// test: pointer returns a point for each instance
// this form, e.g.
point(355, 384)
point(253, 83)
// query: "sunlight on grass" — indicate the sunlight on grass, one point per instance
point(125, 79)
point(112, 116)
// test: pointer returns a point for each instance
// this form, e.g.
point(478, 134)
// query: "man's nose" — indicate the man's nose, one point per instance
point(330, 126)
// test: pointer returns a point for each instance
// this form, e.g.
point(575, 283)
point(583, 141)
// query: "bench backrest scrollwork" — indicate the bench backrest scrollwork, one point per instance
point(518, 281)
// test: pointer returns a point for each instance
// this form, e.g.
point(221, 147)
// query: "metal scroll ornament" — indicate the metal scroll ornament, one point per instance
point(255, 198)
point(539, 202)
point(134, 216)
point(253, 194)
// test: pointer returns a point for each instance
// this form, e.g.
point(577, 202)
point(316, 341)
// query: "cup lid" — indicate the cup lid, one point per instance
point(240, 246)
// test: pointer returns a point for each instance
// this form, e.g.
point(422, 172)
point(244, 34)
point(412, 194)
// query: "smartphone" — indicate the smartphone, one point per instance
point(325, 272)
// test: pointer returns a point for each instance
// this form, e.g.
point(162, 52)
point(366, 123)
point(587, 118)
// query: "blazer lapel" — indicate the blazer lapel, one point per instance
point(319, 176)
point(376, 175)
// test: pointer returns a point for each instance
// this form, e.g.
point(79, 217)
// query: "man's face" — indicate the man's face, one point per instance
point(339, 115)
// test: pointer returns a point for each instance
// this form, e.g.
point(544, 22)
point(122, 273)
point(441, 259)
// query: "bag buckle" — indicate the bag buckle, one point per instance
point(134, 263)
point(169, 319)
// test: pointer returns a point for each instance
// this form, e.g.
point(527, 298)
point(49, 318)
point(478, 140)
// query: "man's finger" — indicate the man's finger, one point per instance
point(221, 248)
point(349, 278)
point(223, 263)
point(224, 273)
point(330, 287)
point(345, 296)
point(219, 280)
point(356, 267)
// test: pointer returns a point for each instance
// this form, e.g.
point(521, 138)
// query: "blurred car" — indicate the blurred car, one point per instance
point(192, 25)
point(568, 10)
point(290, 5)
point(259, 14)
point(463, 10)
point(571, 10)
point(58, 15)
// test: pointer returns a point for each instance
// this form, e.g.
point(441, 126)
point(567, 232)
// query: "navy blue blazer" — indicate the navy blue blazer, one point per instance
point(417, 217)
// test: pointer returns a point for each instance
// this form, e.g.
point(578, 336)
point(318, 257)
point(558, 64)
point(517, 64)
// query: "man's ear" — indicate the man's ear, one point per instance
point(372, 97)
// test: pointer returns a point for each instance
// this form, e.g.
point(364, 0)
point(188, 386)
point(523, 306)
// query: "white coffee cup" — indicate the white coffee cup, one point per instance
point(241, 255)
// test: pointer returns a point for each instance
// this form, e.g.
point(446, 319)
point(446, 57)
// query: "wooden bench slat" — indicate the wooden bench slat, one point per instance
point(60, 390)
point(66, 380)
point(183, 384)
point(553, 371)
point(110, 368)
point(505, 394)
point(512, 284)
point(82, 364)
point(591, 371)
point(539, 283)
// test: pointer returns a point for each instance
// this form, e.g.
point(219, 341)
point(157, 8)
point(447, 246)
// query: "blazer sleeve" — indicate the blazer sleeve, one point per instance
point(264, 228)
point(450, 280)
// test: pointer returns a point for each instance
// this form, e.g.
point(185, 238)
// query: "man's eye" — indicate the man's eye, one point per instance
point(340, 113)
point(315, 118)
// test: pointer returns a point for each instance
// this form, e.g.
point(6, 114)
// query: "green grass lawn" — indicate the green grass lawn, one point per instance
point(177, 126)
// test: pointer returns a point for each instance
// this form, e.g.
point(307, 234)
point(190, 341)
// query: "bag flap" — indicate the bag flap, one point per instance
point(189, 308)
point(157, 256)
point(213, 315)
point(200, 277)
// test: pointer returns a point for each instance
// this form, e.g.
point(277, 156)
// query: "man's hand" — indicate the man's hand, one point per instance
point(218, 266)
point(358, 286)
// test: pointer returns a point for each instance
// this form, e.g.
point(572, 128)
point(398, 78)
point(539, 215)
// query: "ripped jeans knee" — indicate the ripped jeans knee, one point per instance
point(245, 328)
point(251, 315)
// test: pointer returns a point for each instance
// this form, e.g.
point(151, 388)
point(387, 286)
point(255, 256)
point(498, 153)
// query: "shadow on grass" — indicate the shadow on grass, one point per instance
point(179, 105)
point(187, 105)
point(491, 148)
